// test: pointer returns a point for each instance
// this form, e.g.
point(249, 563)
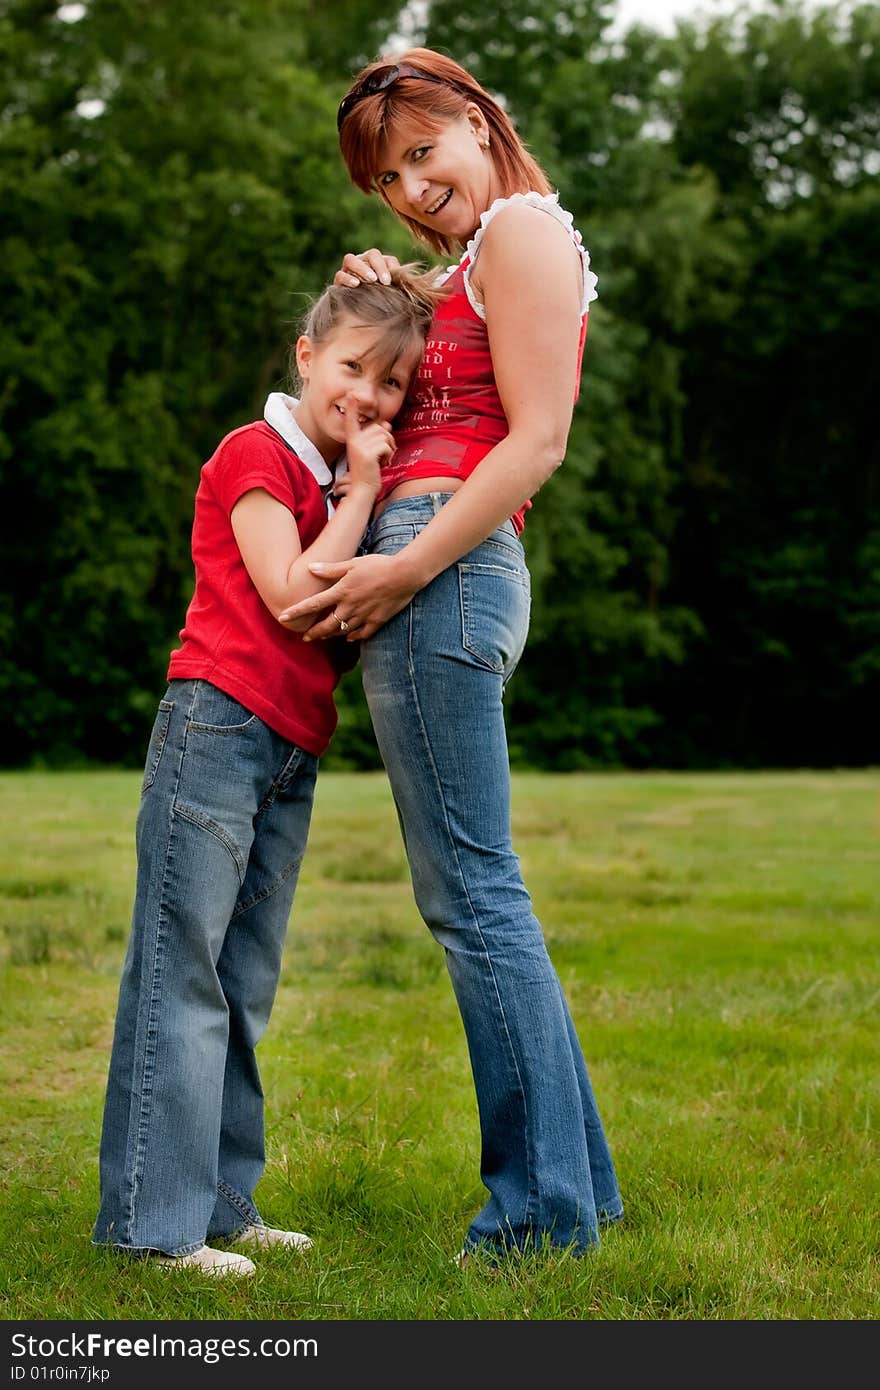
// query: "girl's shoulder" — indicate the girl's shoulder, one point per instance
point(547, 203)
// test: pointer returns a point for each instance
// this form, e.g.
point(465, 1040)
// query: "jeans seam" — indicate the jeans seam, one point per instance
point(279, 783)
point(256, 898)
point(194, 817)
point(132, 1249)
point(151, 1034)
point(533, 1192)
point(235, 1199)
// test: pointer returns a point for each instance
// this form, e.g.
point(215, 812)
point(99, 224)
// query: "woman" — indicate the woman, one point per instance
point(440, 603)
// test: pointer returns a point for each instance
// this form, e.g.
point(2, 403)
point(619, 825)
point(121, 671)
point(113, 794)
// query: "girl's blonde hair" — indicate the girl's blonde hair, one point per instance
point(407, 101)
point(403, 310)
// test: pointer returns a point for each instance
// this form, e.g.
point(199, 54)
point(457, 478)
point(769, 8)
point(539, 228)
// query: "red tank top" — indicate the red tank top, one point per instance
point(453, 415)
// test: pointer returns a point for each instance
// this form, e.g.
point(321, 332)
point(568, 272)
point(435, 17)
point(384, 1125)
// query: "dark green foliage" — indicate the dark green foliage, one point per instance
point(780, 532)
point(706, 563)
point(156, 260)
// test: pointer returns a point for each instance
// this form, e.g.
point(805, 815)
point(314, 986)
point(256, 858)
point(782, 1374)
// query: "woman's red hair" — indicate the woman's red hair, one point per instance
point(408, 101)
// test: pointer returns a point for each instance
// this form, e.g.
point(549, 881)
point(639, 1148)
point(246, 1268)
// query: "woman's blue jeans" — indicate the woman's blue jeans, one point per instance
point(221, 832)
point(434, 678)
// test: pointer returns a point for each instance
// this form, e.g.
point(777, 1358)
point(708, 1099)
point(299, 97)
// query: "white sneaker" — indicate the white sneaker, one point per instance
point(210, 1261)
point(268, 1235)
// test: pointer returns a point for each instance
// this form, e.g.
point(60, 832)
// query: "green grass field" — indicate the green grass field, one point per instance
point(717, 936)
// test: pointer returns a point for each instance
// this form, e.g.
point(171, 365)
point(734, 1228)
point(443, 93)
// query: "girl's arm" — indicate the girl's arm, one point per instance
point(268, 537)
point(531, 282)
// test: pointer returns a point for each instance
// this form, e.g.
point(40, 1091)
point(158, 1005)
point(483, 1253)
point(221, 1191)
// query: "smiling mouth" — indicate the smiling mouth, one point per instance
point(362, 419)
point(440, 203)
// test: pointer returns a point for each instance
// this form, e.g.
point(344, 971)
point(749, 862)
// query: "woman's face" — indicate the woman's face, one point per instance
point(443, 179)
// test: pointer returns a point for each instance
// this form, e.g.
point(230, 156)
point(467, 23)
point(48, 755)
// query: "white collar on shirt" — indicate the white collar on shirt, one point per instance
point(278, 412)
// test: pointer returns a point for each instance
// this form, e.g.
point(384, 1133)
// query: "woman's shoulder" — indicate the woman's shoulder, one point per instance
point(514, 206)
point(523, 216)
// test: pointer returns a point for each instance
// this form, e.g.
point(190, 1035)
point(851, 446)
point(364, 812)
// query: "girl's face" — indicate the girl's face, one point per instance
point(345, 362)
point(442, 179)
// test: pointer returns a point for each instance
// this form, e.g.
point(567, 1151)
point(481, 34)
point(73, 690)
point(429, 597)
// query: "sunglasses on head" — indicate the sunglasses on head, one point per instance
point(377, 81)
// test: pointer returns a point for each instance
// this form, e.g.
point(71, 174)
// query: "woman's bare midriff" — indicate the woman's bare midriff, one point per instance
point(417, 487)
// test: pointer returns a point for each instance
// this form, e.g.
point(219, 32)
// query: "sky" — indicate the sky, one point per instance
point(656, 14)
point(663, 14)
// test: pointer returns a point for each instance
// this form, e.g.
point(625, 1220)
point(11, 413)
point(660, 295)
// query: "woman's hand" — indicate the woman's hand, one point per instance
point(368, 591)
point(370, 265)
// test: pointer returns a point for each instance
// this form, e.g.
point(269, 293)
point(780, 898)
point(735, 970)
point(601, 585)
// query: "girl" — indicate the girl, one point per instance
point(443, 597)
point(228, 786)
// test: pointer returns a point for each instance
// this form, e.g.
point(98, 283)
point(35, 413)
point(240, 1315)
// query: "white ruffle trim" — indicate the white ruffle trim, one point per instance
point(547, 202)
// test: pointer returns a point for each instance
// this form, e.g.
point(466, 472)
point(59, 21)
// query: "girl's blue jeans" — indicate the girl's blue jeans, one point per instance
point(221, 832)
point(434, 678)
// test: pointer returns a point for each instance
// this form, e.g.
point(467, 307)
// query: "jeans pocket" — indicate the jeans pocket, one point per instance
point(228, 763)
point(495, 607)
point(214, 712)
point(157, 743)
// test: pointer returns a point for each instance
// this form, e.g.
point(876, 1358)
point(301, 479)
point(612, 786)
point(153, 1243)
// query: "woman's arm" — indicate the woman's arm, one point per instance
point(531, 283)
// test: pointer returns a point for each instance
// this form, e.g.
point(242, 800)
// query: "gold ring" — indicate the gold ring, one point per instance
point(343, 625)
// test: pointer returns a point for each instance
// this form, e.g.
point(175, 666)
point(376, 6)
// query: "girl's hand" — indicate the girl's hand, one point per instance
point(368, 591)
point(370, 265)
point(341, 487)
point(368, 444)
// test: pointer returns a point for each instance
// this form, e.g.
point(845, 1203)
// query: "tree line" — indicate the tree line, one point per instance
point(706, 563)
